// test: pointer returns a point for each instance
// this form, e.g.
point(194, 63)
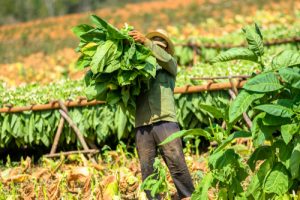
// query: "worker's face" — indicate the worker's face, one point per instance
point(160, 42)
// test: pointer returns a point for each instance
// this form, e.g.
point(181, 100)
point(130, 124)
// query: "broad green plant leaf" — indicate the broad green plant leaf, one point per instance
point(179, 134)
point(102, 56)
point(277, 181)
point(81, 29)
point(237, 53)
point(288, 130)
point(256, 184)
point(266, 82)
point(121, 121)
point(295, 160)
point(241, 104)
point(276, 110)
point(231, 137)
point(202, 190)
point(215, 112)
point(83, 62)
point(261, 153)
point(254, 39)
point(89, 49)
point(291, 76)
point(286, 58)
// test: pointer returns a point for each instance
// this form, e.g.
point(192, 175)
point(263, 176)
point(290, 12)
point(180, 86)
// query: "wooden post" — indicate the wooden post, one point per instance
point(194, 55)
point(77, 131)
point(90, 151)
point(57, 135)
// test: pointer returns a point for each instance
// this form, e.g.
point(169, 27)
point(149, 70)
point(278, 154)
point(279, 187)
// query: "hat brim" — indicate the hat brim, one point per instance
point(170, 47)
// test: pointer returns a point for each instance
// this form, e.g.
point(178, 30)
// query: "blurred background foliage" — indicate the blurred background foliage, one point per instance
point(26, 10)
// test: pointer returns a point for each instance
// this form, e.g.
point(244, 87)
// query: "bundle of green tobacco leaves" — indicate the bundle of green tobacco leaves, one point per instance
point(119, 67)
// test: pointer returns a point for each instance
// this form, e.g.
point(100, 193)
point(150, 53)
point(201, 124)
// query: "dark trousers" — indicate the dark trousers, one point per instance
point(147, 140)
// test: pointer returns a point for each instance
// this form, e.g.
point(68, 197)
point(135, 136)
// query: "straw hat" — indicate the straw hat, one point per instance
point(164, 35)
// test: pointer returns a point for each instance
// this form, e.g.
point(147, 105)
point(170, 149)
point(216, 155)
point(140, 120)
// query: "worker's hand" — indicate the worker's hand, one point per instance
point(137, 36)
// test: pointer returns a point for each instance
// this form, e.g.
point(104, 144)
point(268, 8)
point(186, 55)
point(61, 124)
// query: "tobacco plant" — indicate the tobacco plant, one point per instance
point(273, 98)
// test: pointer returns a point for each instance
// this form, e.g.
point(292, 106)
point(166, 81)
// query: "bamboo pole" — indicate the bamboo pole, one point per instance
point(221, 77)
point(50, 106)
point(83, 102)
point(209, 87)
point(90, 151)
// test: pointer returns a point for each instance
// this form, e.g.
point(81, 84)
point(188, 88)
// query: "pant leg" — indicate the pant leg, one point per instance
point(147, 151)
point(173, 155)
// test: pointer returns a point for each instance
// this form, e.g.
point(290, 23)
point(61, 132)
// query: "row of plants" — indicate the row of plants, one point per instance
point(100, 123)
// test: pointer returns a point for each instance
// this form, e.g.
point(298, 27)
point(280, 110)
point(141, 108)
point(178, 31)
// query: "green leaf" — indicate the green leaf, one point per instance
point(286, 58)
point(215, 112)
point(31, 129)
point(276, 110)
point(285, 152)
point(45, 140)
point(261, 153)
point(258, 31)
point(94, 35)
point(179, 134)
point(96, 91)
point(237, 53)
point(112, 32)
point(81, 29)
point(125, 95)
point(295, 161)
point(231, 137)
point(254, 39)
point(222, 159)
point(89, 49)
point(103, 56)
point(241, 104)
point(99, 22)
point(291, 76)
point(113, 66)
point(121, 121)
point(259, 133)
point(150, 66)
point(202, 190)
point(83, 62)
point(277, 181)
point(255, 187)
point(288, 130)
point(113, 97)
point(266, 82)
point(271, 120)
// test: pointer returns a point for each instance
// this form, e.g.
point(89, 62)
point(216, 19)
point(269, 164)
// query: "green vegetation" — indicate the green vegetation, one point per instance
point(273, 98)
point(21, 11)
point(119, 67)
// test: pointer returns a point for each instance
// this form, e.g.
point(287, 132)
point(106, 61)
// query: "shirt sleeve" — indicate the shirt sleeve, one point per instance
point(165, 60)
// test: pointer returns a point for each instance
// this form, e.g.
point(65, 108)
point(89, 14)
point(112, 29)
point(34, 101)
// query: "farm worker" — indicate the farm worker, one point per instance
point(155, 118)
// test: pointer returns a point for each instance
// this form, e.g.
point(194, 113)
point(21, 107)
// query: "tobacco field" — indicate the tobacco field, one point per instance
point(241, 141)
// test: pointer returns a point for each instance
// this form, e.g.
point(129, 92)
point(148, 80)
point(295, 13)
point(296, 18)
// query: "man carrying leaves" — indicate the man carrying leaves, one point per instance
point(156, 116)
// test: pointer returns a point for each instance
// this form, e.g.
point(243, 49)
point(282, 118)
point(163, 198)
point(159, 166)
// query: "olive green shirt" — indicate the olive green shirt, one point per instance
point(157, 103)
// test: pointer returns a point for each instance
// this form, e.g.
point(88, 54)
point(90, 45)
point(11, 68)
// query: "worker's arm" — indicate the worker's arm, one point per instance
point(165, 60)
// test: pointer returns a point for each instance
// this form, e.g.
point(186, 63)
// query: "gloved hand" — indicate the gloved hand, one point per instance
point(137, 36)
